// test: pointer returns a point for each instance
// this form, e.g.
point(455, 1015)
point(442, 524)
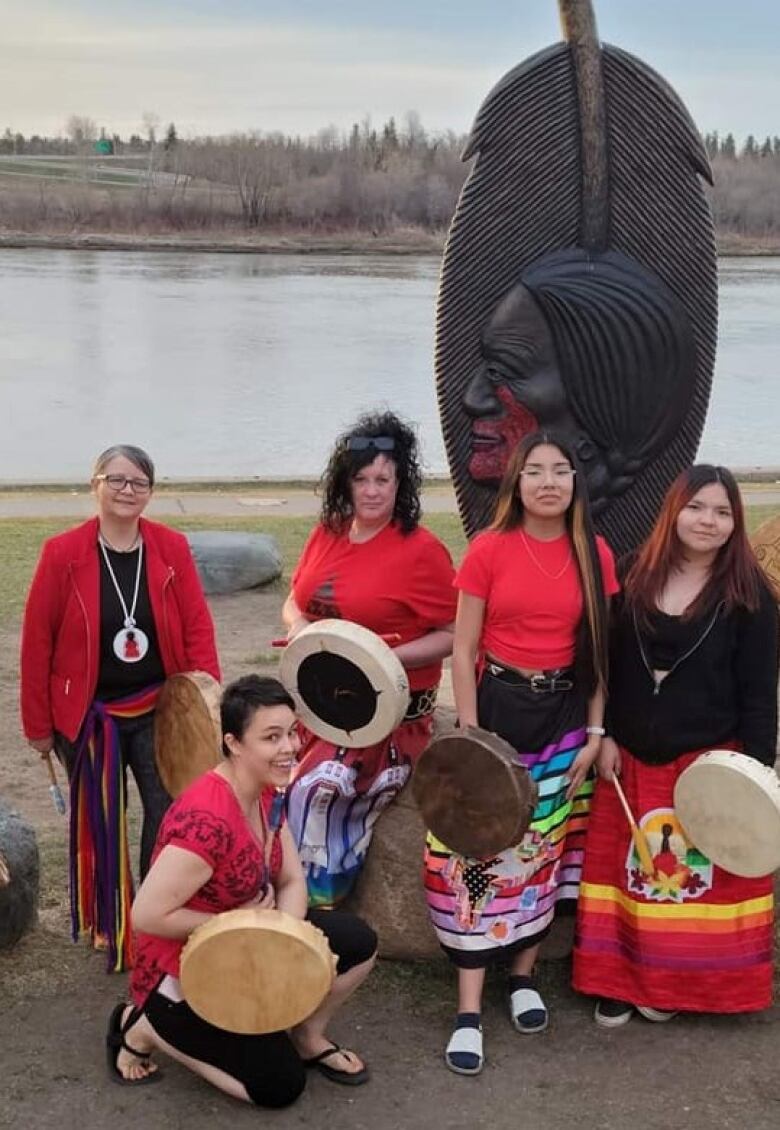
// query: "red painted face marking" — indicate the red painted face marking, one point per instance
point(494, 440)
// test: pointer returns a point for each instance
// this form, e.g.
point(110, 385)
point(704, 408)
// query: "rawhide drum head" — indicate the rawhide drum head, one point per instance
point(187, 729)
point(349, 687)
point(472, 793)
point(255, 971)
point(729, 807)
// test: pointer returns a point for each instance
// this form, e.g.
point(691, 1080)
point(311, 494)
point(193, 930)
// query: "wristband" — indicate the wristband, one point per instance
point(602, 733)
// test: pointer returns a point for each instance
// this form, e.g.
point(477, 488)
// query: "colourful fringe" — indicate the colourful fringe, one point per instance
point(101, 881)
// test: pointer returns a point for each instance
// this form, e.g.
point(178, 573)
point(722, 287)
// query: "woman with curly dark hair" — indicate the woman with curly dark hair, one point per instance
point(369, 561)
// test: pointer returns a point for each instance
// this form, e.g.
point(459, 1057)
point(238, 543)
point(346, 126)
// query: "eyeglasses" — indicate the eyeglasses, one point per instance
point(559, 474)
point(362, 443)
point(119, 482)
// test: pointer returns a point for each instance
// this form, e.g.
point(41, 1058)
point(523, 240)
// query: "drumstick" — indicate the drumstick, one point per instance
point(388, 637)
point(638, 836)
point(54, 788)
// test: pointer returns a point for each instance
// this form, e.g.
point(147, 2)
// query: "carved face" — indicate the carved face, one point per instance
point(517, 389)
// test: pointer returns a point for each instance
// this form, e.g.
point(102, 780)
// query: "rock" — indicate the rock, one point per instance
point(232, 561)
point(19, 895)
point(389, 894)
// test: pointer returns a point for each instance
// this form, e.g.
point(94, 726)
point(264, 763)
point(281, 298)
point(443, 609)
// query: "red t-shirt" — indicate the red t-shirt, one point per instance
point(207, 820)
point(530, 618)
point(393, 583)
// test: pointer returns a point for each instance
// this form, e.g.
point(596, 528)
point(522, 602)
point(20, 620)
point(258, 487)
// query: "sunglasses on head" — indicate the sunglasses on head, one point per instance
point(363, 443)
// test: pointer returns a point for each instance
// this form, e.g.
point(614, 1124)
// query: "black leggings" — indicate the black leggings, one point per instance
point(269, 1067)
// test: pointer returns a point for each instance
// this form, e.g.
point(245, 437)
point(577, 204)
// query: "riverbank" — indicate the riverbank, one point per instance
point(244, 499)
point(403, 241)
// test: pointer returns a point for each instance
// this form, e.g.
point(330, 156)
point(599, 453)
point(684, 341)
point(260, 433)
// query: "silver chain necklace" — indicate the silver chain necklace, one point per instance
point(130, 643)
point(538, 564)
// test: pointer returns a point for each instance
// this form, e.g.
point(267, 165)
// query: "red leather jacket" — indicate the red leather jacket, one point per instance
point(61, 628)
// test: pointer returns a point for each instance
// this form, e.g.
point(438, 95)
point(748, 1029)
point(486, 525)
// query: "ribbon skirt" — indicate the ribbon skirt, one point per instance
point(482, 909)
point(691, 937)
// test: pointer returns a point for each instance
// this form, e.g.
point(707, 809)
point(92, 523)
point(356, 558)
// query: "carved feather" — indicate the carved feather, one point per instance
point(528, 196)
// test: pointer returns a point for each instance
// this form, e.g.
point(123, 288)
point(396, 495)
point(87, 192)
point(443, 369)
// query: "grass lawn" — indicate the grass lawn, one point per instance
point(21, 539)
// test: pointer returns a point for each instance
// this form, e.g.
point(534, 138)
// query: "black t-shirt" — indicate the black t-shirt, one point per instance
point(669, 638)
point(116, 677)
point(722, 684)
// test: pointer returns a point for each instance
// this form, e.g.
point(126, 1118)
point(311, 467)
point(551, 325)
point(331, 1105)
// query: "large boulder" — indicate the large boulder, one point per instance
point(19, 875)
point(229, 561)
point(389, 894)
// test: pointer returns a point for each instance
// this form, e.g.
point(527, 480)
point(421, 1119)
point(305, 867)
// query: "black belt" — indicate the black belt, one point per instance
point(421, 703)
point(543, 682)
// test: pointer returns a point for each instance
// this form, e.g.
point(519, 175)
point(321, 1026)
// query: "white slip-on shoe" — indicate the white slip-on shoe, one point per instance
point(466, 1044)
point(528, 1011)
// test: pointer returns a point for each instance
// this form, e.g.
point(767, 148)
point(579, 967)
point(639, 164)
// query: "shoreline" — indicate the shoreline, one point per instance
point(755, 476)
point(404, 241)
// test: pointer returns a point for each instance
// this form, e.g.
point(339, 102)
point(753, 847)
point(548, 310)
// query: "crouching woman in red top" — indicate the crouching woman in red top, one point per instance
point(115, 607)
point(223, 845)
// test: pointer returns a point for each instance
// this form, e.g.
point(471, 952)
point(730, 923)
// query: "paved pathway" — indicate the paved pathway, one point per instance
point(230, 502)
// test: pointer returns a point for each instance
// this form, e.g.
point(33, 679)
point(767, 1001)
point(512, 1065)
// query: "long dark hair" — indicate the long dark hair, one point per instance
point(344, 464)
point(591, 636)
point(736, 578)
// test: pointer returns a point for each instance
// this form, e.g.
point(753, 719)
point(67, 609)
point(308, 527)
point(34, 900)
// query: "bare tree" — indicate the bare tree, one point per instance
point(81, 130)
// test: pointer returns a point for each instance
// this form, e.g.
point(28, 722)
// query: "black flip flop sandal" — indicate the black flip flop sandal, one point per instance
point(347, 1078)
point(115, 1041)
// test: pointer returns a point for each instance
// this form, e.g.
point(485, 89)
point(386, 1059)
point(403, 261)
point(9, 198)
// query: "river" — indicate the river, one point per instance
point(228, 365)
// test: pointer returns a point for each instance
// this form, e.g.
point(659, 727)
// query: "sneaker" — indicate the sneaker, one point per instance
point(612, 1014)
point(657, 1015)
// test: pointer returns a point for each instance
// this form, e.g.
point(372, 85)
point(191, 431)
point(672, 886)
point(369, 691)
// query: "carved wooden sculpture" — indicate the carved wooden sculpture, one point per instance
point(579, 289)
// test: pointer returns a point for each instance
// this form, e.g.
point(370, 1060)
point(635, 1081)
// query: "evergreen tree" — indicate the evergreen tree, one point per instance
point(750, 149)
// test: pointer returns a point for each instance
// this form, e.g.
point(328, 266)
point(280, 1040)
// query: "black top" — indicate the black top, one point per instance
point(115, 677)
point(721, 685)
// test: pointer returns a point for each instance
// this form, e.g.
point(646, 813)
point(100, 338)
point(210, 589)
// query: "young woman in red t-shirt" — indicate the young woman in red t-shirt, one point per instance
point(532, 605)
point(223, 844)
point(369, 561)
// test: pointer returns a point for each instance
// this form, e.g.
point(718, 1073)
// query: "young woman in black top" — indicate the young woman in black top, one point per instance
point(693, 666)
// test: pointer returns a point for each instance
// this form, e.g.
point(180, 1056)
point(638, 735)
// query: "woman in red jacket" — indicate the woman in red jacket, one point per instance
point(115, 607)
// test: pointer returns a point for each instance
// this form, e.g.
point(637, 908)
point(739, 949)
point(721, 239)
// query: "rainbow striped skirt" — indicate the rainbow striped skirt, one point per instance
point(486, 909)
point(692, 937)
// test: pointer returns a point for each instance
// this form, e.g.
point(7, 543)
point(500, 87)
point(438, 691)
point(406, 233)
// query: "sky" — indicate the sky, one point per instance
point(220, 66)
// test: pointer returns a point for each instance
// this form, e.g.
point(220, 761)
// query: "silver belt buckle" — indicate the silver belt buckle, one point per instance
point(537, 683)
